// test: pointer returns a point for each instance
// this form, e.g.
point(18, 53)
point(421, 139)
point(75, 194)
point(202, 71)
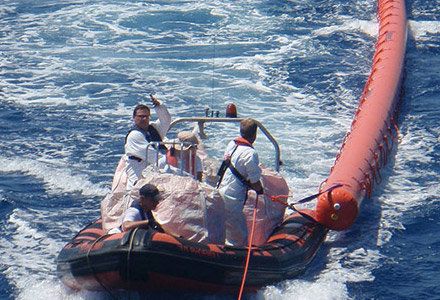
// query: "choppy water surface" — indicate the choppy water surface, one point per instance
point(71, 72)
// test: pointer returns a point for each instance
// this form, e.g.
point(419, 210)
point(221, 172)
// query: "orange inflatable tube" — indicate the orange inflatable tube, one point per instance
point(367, 144)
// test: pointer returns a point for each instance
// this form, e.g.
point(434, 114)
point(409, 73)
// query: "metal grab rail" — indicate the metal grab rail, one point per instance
point(191, 147)
point(202, 120)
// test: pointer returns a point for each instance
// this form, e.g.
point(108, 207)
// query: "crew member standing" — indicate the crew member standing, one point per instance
point(240, 172)
point(142, 133)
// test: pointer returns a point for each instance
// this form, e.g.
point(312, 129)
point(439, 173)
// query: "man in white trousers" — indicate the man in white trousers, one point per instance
point(241, 172)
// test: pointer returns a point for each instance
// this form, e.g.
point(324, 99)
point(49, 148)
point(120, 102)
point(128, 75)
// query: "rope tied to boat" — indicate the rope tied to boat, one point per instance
point(280, 198)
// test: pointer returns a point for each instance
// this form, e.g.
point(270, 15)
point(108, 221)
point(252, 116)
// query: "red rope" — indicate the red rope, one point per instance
point(395, 128)
point(248, 256)
point(279, 198)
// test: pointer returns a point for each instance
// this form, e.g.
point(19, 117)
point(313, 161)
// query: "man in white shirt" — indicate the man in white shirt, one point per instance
point(241, 172)
point(140, 135)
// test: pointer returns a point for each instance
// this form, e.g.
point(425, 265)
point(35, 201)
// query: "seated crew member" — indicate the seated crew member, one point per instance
point(139, 213)
point(184, 153)
point(140, 135)
point(239, 172)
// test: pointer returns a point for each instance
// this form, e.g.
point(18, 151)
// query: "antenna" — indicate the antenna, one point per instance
point(213, 71)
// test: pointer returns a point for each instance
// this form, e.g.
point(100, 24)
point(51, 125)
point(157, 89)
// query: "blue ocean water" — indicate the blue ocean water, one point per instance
point(72, 70)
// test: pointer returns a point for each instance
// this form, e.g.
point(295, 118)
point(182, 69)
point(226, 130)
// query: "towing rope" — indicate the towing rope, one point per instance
point(292, 207)
point(280, 198)
point(248, 256)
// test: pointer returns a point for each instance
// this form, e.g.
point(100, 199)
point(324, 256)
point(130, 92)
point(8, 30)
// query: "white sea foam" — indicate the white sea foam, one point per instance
point(403, 194)
point(32, 244)
point(53, 289)
point(421, 29)
point(369, 27)
point(330, 288)
point(32, 268)
point(56, 175)
point(6, 10)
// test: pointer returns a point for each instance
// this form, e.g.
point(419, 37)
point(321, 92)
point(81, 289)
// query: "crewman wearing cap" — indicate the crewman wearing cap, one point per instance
point(139, 213)
point(183, 154)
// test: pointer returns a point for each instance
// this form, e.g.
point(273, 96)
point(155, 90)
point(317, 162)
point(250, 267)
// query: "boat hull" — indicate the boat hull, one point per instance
point(147, 260)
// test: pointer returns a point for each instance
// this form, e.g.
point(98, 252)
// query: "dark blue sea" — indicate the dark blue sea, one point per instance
point(71, 72)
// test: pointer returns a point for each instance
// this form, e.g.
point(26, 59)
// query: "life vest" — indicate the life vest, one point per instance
point(240, 141)
point(227, 164)
point(152, 223)
point(173, 160)
point(151, 135)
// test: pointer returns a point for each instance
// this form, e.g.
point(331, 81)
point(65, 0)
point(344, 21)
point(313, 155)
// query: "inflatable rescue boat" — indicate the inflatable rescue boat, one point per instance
point(152, 261)
point(149, 260)
point(144, 259)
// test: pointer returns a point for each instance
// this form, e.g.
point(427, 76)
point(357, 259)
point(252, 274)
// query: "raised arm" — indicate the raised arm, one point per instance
point(162, 124)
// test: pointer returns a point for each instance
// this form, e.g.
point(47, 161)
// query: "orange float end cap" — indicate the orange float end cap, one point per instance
point(337, 209)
